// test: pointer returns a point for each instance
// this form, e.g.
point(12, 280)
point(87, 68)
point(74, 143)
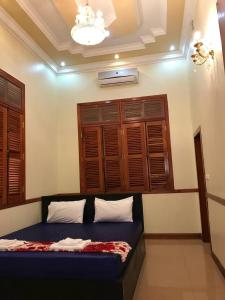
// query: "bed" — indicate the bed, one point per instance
point(80, 276)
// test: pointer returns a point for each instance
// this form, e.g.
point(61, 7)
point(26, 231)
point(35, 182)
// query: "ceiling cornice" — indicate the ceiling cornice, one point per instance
point(20, 33)
point(74, 48)
point(97, 66)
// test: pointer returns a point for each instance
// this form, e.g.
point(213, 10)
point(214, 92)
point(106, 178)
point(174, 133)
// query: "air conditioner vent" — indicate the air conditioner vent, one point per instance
point(118, 77)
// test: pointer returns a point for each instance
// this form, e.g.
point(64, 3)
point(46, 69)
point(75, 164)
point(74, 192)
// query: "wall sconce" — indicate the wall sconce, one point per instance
point(201, 54)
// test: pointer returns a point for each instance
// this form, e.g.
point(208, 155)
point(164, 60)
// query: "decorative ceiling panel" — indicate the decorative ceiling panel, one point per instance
point(138, 27)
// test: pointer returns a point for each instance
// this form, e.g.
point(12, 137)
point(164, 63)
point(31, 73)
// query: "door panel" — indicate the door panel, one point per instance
point(135, 157)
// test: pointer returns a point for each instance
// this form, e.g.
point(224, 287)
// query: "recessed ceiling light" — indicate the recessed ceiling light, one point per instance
point(116, 56)
point(62, 64)
point(172, 48)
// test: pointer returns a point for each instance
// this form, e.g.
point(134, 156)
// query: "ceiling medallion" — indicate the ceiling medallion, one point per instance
point(89, 29)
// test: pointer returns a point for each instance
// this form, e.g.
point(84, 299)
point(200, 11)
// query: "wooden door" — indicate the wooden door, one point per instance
point(202, 189)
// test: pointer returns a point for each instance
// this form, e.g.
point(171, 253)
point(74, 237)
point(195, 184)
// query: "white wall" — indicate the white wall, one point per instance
point(171, 213)
point(208, 111)
point(52, 163)
point(41, 124)
point(163, 213)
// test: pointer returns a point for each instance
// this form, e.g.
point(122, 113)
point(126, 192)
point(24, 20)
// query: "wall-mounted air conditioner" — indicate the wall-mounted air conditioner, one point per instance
point(118, 77)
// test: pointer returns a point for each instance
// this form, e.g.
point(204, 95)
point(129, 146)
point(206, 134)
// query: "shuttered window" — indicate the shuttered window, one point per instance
point(129, 145)
point(135, 159)
point(92, 159)
point(112, 158)
point(3, 157)
point(12, 160)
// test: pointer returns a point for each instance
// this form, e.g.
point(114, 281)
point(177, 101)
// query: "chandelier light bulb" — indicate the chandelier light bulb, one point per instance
point(89, 28)
point(197, 36)
point(99, 14)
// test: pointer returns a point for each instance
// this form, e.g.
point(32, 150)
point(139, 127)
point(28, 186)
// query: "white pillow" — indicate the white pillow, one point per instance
point(66, 211)
point(113, 211)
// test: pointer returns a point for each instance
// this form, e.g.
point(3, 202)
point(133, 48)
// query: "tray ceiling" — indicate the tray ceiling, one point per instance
point(137, 28)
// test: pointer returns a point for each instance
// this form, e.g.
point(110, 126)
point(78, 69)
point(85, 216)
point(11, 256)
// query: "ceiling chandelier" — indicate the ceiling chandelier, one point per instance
point(90, 27)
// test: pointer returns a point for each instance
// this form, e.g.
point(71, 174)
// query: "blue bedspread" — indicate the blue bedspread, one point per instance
point(64, 264)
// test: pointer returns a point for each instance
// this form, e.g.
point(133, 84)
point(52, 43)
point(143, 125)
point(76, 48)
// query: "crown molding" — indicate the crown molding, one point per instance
point(20, 33)
point(112, 64)
point(129, 62)
point(114, 49)
point(27, 7)
point(73, 48)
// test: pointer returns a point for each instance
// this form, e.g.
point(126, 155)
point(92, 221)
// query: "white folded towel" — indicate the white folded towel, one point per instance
point(7, 245)
point(69, 244)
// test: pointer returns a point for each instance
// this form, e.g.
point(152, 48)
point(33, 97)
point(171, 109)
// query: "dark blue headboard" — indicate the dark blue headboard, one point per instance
point(89, 209)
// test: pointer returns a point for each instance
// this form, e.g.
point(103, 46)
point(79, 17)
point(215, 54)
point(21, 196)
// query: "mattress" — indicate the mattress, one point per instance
point(70, 265)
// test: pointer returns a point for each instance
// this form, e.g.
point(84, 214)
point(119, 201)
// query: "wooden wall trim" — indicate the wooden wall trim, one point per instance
point(175, 191)
point(175, 236)
point(33, 200)
point(218, 263)
point(28, 201)
point(216, 199)
point(184, 191)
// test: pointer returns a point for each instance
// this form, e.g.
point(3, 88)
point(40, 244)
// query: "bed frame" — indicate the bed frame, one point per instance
point(82, 289)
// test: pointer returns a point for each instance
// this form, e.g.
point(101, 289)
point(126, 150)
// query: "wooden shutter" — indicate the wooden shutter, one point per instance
point(90, 115)
point(132, 111)
point(15, 158)
point(110, 113)
point(112, 158)
point(93, 114)
point(14, 95)
point(154, 109)
point(144, 109)
point(158, 159)
point(135, 157)
point(2, 89)
point(91, 161)
point(3, 157)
